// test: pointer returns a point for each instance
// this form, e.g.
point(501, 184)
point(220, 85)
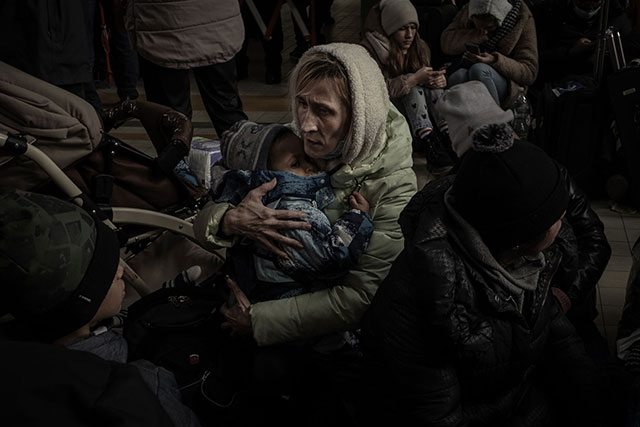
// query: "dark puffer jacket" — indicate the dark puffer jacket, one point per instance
point(449, 347)
point(586, 253)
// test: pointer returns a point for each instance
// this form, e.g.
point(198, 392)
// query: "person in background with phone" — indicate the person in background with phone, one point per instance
point(569, 30)
point(498, 45)
point(391, 37)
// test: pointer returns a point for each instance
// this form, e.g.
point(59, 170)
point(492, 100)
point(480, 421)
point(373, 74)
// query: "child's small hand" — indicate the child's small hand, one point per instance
point(357, 201)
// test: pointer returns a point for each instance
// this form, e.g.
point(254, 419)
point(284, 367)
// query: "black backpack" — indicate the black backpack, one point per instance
point(177, 329)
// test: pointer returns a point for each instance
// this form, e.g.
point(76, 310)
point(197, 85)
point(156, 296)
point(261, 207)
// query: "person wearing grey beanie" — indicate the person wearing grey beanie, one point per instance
point(254, 154)
point(495, 43)
point(391, 37)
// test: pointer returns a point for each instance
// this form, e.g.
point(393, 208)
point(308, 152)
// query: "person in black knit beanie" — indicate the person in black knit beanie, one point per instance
point(463, 330)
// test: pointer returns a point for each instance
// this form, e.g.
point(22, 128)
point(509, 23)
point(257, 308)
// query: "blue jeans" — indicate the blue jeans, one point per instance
point(484, 73)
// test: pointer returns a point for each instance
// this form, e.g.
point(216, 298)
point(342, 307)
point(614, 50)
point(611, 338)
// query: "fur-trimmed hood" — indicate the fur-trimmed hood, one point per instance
point(369, 99)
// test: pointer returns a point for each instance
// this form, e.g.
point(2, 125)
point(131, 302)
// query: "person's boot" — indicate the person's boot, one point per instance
point(439, 161)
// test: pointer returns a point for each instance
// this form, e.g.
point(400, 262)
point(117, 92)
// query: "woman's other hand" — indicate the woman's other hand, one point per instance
point(253, 220)
point(485, 58)
point(238, 319)
point(357, 201)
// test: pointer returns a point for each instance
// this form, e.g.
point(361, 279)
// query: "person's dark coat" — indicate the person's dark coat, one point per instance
point(47, 39)
point(448, 347)
point(47, 385)
point(586, 253)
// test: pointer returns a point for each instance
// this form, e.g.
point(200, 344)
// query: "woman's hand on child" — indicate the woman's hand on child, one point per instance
point(357, 201)
point(238, 319)
point(253, 220)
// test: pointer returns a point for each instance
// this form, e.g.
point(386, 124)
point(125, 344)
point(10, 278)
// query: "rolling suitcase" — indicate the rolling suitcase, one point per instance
point(570, 126)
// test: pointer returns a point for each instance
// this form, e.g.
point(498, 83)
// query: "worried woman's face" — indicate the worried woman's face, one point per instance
point(323, 117)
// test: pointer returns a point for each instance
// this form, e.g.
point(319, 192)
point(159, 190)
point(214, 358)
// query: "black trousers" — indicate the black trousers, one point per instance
point(217, 85)
point(273, 47)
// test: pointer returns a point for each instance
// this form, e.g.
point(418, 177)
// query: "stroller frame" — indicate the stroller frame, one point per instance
point(23, 145)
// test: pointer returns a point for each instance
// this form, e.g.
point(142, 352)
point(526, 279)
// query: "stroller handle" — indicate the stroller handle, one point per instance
point(18, 144)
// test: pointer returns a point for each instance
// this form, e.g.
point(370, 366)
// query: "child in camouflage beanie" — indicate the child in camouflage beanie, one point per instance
point(61, 276)
point(60, 266)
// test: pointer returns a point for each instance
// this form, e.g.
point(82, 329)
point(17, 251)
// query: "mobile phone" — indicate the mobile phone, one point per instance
point(472, 48)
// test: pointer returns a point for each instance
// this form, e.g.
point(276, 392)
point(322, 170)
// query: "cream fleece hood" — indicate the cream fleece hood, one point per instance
point(369, 98)
point(497, 8)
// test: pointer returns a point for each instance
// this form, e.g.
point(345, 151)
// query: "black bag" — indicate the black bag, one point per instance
point(571, 127)
point(176, 328)
point(624, 91)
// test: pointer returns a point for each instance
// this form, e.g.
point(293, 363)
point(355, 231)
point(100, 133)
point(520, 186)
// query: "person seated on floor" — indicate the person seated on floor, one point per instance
point(469, 109)
point(568, 35)
point(391, 37)
point(496, 41)
point(62, 278)
point(462, 331)
point(254, 154)
point(341, 109)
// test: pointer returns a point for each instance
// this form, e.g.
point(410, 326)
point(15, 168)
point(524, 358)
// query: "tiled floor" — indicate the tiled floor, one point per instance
point(622, 231)
point(268, 104)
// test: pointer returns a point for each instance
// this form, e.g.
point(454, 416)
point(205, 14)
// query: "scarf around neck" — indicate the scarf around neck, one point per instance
point(508, 24)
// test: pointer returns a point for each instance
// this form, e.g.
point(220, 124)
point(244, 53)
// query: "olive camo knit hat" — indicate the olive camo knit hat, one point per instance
point(57, 262)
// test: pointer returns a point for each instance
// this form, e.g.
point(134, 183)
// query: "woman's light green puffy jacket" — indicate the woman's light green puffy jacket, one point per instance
point(388, 182)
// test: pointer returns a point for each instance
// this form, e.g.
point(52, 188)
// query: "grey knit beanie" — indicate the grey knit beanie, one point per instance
point(496, 8)
point(467, 107)
point(395, 14)
point(246, 145)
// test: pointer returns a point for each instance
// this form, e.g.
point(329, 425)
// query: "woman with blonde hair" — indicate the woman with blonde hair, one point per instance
point(391, 37)
point(350, 130)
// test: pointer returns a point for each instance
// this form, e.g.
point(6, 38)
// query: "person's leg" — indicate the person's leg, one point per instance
point(301, 44)
point(414, 109)
point(219, 90)
point(493, 80)
point(273, 47)
point(459, 76)
point(166, 86)
point(125, 66)
point(91, 95)
point(432, 96)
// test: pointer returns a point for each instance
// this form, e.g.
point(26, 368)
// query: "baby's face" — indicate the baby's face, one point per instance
point(287, 155)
